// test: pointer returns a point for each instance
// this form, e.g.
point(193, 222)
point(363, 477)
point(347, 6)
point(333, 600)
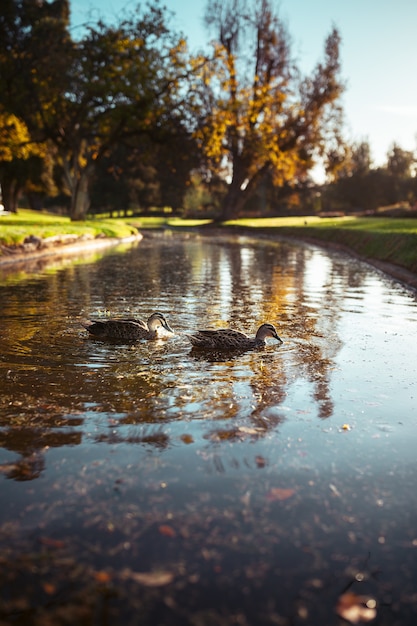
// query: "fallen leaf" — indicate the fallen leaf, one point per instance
point(187, 439)
point(153, 579)
point(167, 530)
point(52, 543)
point(49, 588)
point(245, 499)
point(356, 609)
point(102, 577)
point(276, 493)
point(334, 490)
point(248, 431)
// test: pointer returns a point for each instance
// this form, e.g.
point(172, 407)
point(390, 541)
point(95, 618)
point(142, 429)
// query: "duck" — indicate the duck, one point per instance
point(229, 339)
point(127, 329)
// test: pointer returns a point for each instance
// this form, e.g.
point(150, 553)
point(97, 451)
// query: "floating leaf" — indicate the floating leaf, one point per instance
point(167, 530)
point(187, 438)
point(276, 493)
point(51, 543)
point(334, 490)
point(49, 588)
point(153, 579)
point(248, 431)
point(102, 577)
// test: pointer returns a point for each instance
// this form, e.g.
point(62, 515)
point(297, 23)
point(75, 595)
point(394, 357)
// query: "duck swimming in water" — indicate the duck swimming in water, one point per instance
point(127, 329)
point(229, 339)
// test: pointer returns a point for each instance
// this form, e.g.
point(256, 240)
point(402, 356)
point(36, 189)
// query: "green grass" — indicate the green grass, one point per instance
point(143, 223)
point(369, 224)
point(14, 228)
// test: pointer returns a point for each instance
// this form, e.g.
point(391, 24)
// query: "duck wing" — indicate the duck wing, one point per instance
point(222, 338)
point(117, 329)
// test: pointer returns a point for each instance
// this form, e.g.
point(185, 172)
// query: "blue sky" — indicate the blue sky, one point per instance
point(379, 56)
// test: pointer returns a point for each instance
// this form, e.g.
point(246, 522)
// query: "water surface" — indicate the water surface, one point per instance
point(150, 484)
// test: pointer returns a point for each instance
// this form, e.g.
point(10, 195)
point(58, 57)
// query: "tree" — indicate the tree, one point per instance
point(19, 159)
point(35, 52)
point(400, 169)
point(358, 186)
point(88, 96)
point(149, 169)
point(259, 117)
point(124, 82)
point(400, 162)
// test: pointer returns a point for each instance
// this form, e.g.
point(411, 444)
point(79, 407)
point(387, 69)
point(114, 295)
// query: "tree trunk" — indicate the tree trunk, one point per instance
point(10, 194)
point(234, 200)
point(80, 200)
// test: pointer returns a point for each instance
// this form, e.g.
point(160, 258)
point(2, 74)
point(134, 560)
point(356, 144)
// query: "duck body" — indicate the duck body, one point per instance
point(127, 329)
point(229, 339)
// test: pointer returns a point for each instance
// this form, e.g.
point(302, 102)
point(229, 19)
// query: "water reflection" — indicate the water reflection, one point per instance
point(46, 356)
point(152, 444)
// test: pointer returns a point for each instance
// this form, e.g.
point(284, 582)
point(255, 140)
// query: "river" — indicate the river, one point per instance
point(150, 483)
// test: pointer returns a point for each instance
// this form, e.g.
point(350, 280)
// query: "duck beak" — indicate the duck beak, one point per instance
point(279, 338)
point(167, 327)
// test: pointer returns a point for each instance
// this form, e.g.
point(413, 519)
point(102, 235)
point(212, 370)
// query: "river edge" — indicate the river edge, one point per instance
point(61, 249)
point(397, 272)
point(401, 274)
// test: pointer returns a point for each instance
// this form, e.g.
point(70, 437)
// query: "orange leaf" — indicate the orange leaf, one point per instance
point(49, 588)
point(52, 543)
point(102, 577)
point(167, 531)
point(276, 493)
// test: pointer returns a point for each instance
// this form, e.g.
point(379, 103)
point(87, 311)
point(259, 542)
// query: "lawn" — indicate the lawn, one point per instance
point(14, 228)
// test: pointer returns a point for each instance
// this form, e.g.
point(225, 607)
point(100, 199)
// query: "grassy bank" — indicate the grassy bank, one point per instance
point(389, 240)
point(15, 228)
point(385, 239)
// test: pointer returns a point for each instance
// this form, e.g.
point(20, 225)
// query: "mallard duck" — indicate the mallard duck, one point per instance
point(228, 339)
point(127, 329)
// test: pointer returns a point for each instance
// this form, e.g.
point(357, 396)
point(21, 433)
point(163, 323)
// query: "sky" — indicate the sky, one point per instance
point(378, 56)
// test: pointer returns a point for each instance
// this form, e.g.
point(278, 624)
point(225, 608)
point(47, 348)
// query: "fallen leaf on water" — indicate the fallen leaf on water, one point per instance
point(49, 588)
point(334, 490)
point(167, 530)
point(356, 609)
point(152, 579)
point(51, 543)
point(187, 438)
point(248, 431)
point(102, 577)
point(276, 493)
point(245, 499)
